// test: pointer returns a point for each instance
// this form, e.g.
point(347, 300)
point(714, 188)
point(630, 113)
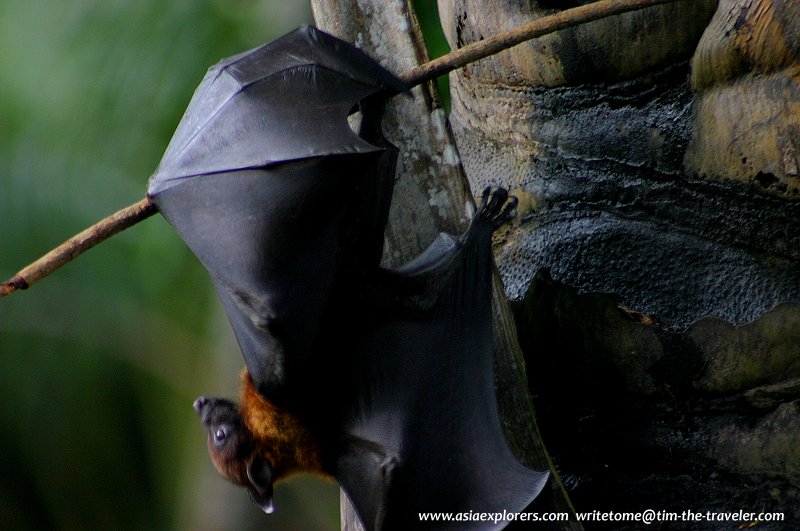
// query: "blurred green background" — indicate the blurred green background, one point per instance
point(100, 363)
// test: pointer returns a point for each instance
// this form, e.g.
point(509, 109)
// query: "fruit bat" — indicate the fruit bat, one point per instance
point(379, 378)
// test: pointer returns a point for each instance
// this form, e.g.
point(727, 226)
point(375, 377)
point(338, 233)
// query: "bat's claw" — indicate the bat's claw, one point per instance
point(496, 207)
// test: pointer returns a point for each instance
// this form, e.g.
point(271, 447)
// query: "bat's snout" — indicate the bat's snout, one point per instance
point(215, 411)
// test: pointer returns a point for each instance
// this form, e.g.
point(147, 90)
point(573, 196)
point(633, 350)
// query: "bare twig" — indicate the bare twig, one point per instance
point(135, 213)
point(78, 244)
point(508, 39)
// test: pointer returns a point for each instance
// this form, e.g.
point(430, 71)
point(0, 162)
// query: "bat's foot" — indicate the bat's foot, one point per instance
point(496, 207)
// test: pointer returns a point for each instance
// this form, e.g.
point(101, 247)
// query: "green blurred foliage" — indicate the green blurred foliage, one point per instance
point(435, 41)
point(100, 362)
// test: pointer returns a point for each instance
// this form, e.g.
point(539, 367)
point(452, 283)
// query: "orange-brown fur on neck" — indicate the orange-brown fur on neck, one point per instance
point(279, 436)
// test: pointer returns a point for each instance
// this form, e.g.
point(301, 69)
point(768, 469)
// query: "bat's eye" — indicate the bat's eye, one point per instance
point(219, 435)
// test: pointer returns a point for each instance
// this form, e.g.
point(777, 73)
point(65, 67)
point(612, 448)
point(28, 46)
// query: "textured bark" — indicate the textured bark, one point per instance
point(432, 195)
point(746, 78)
point(654, 273)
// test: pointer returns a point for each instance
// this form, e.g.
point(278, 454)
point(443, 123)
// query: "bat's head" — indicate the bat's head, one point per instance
point(232, 449)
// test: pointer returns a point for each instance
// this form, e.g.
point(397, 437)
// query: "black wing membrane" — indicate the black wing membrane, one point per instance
point(427, 397)
point(286, 100)
point(257, 180)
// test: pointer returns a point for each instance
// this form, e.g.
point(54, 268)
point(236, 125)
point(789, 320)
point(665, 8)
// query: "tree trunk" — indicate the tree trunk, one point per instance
point(432, 195)
point(656, 154)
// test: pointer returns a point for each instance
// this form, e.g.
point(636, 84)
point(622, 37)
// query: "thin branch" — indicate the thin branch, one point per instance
point(508, 39)
point(78, 244)
point(135, 213)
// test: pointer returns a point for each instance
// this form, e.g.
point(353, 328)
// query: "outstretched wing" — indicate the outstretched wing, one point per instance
point(261, 178)
point(427, 403)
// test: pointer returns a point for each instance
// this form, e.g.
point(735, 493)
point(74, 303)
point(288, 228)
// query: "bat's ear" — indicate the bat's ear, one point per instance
point(259, 472)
